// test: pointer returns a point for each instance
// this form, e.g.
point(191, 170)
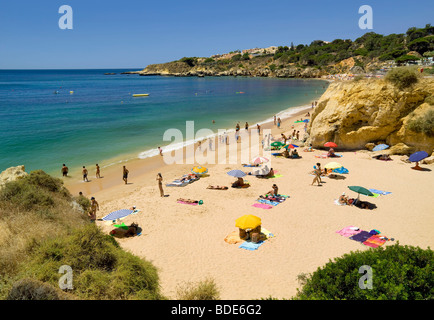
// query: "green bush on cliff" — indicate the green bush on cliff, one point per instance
point(424, 123)
point(41, 230)
point(403, 77)
point(398, 273)
point(204, 290)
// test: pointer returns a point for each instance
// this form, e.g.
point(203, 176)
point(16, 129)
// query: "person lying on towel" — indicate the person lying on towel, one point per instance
point(130, 231)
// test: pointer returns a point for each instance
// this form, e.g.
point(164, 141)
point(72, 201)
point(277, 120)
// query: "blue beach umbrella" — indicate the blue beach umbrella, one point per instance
point(306, 120)
point(236, 173)
point(418, 156)
point(380, 147)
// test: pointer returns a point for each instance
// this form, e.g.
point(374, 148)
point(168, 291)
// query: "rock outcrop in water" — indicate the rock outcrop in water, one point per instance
point(355, 113)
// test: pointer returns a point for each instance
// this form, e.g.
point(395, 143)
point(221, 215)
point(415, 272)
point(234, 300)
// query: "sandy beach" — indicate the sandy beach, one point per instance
point(186, 243)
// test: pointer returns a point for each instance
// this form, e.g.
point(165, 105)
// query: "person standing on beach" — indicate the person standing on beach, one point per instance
point(65, 170)
point(161, 151)
point(246, 126)
point(259, 128)
point(317, 174)
point(210, 144)
point(237, 127)
point(298, 135)
point(125, 175)
point(160, 184)
point(279, 122)
point(284, 138)
point(274, 119)
point(84, 171)
point(94, 206)
point(200, 145)
point(98, 172)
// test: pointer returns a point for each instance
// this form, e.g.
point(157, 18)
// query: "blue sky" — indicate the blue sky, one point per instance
point(133, 33)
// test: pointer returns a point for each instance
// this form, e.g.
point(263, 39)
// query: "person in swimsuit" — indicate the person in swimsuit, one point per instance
point(279, 122)
point(125, 175)
point(65, 170)
point(98, 172)
point(160, 184)
point(317, 173)
point(94, 206)
point(246, 126)
point(84, 171)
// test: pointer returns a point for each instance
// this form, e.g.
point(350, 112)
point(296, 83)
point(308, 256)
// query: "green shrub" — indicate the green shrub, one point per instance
point(30, 289)
point(403, 77)
point(424, 123)
point(23, 195)
point(83, 202)
point(399, 273)
point(204, 290)
point(101, 269)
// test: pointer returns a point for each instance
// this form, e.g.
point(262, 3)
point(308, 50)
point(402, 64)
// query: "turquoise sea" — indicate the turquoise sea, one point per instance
point(100, 120)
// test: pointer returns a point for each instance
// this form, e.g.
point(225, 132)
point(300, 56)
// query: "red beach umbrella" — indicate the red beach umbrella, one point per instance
point(330, 144)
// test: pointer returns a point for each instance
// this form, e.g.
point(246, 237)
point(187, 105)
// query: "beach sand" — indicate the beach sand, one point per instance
point(186, 243)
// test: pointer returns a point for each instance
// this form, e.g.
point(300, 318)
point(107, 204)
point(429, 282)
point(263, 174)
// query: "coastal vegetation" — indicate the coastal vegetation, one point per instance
point(403, 77)
point(398, 273)
point(203, 290)
point(367, 53)
point(42, 227)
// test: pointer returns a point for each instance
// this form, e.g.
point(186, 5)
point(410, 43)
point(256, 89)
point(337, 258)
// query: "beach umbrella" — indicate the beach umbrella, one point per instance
point(330, 144)
point(418, 156)
point(277, 144)
point(258, 160)
point(118, 214)
point(306, 120)
point(333, 165)
point(199, 170)
point(380, 147)
point(236, 173)
point(361, 190)
point(248, 221)
point(290, 146)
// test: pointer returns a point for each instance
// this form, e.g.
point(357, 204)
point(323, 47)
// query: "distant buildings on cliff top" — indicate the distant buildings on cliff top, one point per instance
point(252, 52)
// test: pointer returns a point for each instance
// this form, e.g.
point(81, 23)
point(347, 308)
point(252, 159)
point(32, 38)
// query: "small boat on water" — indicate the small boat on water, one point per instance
point(141, 95)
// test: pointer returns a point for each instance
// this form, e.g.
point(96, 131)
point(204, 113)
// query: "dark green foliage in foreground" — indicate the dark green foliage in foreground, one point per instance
point(399, 273)
point(101, 270)
point(403, 77)
point(42, 230)
point(422, 124)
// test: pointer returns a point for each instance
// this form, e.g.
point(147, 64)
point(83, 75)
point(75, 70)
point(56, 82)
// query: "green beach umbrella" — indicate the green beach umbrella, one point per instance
point(277, 144)
point(361, 190)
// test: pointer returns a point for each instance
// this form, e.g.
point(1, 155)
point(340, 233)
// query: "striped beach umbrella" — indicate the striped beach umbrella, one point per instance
point(290, 146)
point(118, 214)
point(259, 160)
point(236, 173)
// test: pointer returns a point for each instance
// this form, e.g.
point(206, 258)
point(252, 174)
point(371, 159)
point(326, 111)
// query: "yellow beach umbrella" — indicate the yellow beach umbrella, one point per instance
point(333, 165)
point(248, 221)
point(199, 170)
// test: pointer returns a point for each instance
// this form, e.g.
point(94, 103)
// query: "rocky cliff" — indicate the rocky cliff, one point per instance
point(12, 174)
point(355, 113)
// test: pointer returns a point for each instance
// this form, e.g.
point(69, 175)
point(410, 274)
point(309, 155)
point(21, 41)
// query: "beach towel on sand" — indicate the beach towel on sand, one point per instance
point(250, 245)
point(362, 236)
point(380, 192)
point(262, 206)
point(193, 204)
point(348, 231)
point(338, 203)
point(374, 241)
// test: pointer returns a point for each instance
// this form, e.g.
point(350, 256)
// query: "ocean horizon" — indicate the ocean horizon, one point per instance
point(83, 116)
